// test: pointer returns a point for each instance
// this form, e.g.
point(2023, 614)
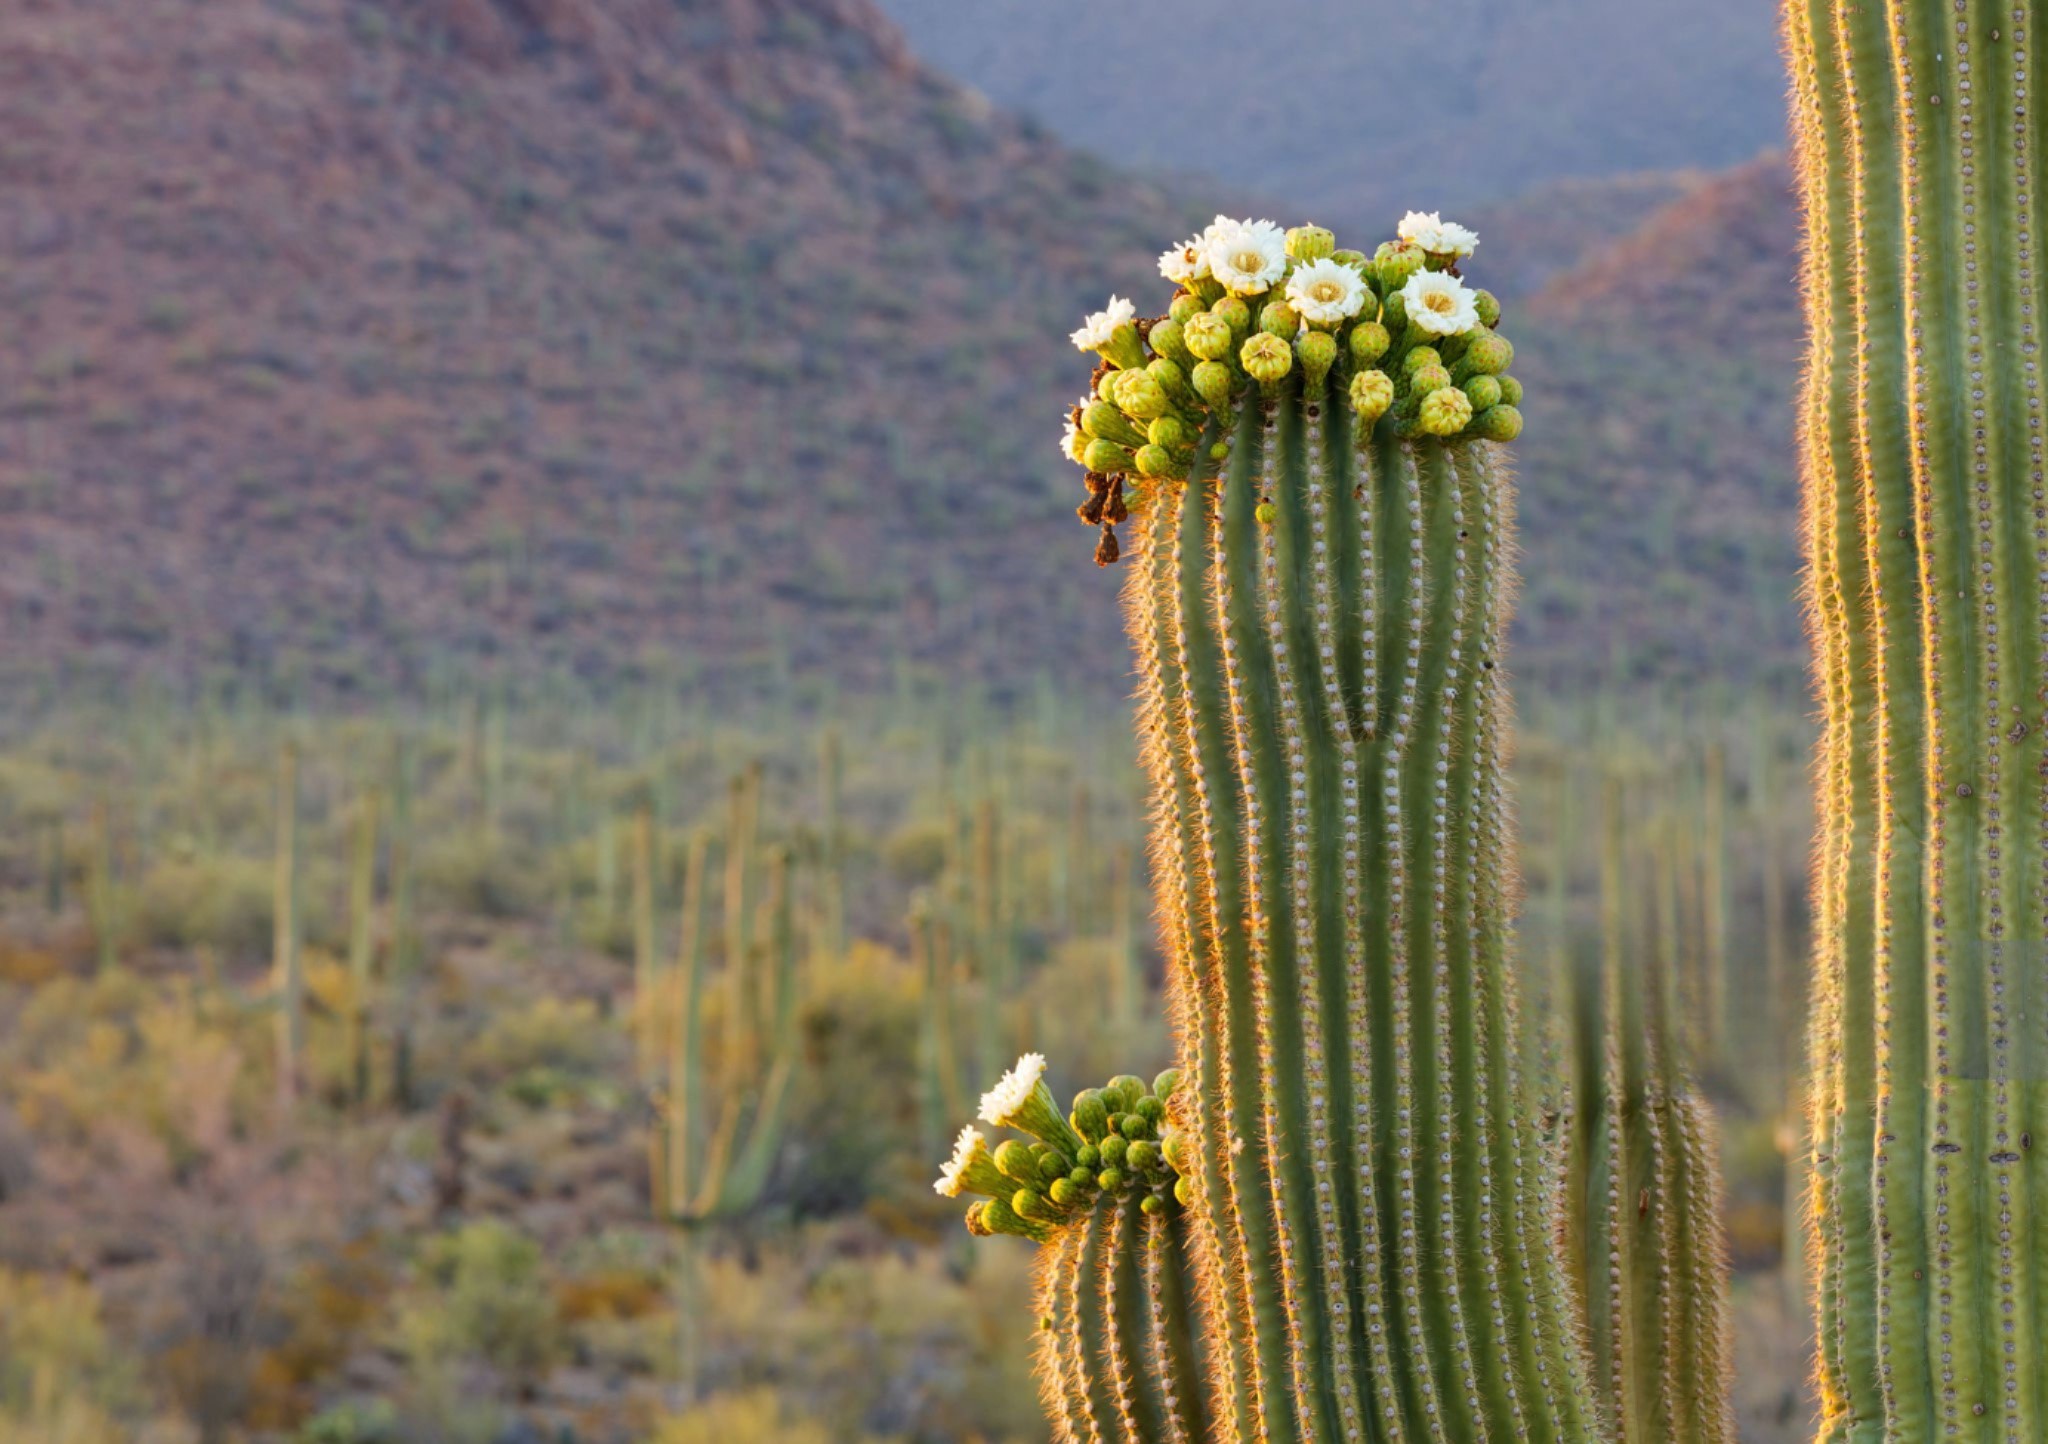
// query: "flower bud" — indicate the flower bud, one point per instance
point(1277, 318)
point(1151, 1110)
point(1169, 432)
point(1310, 243)
point(1445, 412)
point(1267, 359)
point(1134, 1126)
point(1174, 1149)
point(1139, 396)
point(1369, 342)
point(1487, 354)
point(1498, 423)
point(1488, 306)
point(1151, 1203)
point(1090, 1117)
point(1088, 1155)
point(1167, 342)
point(1234, 311)
point(1106, 456)
point(1128, 1087)
point(1425, 379)
point(1394, 312)
point(1014, 1161)
point(1110, 1180)
point(1372, 392)
point(1065, 1193)
point(974, 1224)
point(1143, 1156)
point(1420, 357)
point(1100, 419)
point(1170, 377)
point(1167, 1083)
point(1114, 1148)
point(998, 1216)
point(1183, 307)
point(1151, 460)
point(1051, 1164)
point(1208, 336)
point(1482, 392)
point(1185, 1192)
point(1318, 353)
point(1510, 390)
point(1083, 1174)
point(1265, 513)
point(1124, 351)
point(1394, 263)
point(1356, 260)
point(1030, 1203)
point(1215, 383)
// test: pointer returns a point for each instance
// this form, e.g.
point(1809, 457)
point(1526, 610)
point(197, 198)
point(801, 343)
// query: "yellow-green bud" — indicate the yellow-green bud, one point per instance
point(1310, 243)
point(1066, 1193)
point(1267, 359)
point(1394, 311)
point(1171, 431)
point(1108, 423)
point(1110, 1180)
point(1167, 1083)
point(1139, 396)
point(995, 1215)
point(1129, 1087)
point(1498, 423)
point(1208, 336)
point(1444, 413)
point(1318, 353)
point(1369, 342)
point(1510, 390)
point(1414, 361)
point(1051, 1164)
point(1124, 351)
point(1372, 392)
point(1356, 260)
point(1234, 311)
point(1014, 1161)
point(1170, 376)
point(1030, 1203)
point(1265, 513)
point(1394, 263)
point(1088, 1156)
point(1166, 342)
point(1135, 1125)
point(1185, 1192)
point(1488, 306)
point(1215, 383)
point(1425, 379)
point(1487, 354)
point(1174, 1148)
point(1183, 306)
point(1083, 1174)
point(1151, 1203)
point(1277, 318)
point(1113, 1150)
point(1151, 460)
point(1106, 457)
point(1482, 391)
point(1151, 1110)
point(1144, 1155)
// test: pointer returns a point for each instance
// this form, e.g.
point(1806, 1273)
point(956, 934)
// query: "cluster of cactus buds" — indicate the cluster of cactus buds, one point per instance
point(1407, 340)
point(1115, 1143)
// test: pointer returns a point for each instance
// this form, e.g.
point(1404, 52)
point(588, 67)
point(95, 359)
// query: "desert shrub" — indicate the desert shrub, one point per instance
point(754, 1417)
point(916, 852)
point(61, 1380)
point(353, 1421)
point(551, 1035)
point(861, 1021)
point(487, 1297)
point(223, 902)
point(474, 874)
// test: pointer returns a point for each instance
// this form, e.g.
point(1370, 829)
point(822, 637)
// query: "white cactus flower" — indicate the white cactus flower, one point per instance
point(953, 1177)
point(1421, 228)
point(1439, 304)
point(1099, 327)
point(1187, 262)
point(1001, 1103)
point(1326, 292)
point(1247, 256)
point(1456, 240)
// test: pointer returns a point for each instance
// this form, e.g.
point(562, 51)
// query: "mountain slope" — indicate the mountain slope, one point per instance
point(1352, 111)
point(348, 341)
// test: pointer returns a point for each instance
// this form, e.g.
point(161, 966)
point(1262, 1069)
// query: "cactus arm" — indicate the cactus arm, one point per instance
point(685, 1066)
point(362, 939)
point(646, 1021)
point(1051, 1299)
point(286, 963)
point(1169, 1304)
point(1133, 1383)
point(756, 1156)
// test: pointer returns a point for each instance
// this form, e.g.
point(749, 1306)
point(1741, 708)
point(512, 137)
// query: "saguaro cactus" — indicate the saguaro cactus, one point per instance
point(1922, 429)
point(1306, 447)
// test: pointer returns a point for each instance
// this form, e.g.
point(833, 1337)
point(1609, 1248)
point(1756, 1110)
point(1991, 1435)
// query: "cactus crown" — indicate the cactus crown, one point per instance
point(1410, 343)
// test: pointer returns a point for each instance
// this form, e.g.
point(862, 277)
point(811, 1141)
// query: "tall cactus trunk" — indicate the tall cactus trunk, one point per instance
point(1920, 166)
point(288, 981)
point(1320, 622)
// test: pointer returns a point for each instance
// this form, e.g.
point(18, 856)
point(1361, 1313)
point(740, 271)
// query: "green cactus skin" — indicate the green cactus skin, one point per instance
point(1642, 1189)
point(1325, 721)
point(1920, 163)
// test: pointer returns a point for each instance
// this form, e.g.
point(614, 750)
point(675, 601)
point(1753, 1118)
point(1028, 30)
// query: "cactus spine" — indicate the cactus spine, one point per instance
point(1925, 524)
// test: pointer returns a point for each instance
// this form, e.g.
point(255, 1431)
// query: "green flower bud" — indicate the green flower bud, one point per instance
point(1394, 263)
point(1498, 423)
point(1369, 342)
point(1488, 306)
point(1208, 290)
point(1134, 1126)
point(1372, 392)
point(1124, 351)
point(1031, 1204)
point(1143, 1156)
point(1234, 311)
point(1167, 343)
point(1169, 432)
point(1151, 1110)
point(1184, 1190)
point(1171, 377)
point(1110, 1180)
point(1014, 1161)
point(1487, 354)
point(1151, 1203)
point(1215, 383)
point(1105, 388)
point(1510, 390)
point(998, 1216)
point(1114, 1148)
point(1394, 312)
point(1482, 391)
point(975, 1225)
point(1183, 307)
point(1090, 1117)
point(1318, 353)
point(1138, 395)
point(1083, 1175)
point(1167, 1083)
point(1151, 460)
point(1277, 318)
point(1208, 336)
point(1267, 359)
point(1356, 260)
point(1051, 1164)
point(1104, 421)
point(1445, 412)
point(1174, 1149)
point(1310, 243)
point(1128, 1087)
point(1415, 360)
point(1265, 513)
point(1423, 380)
point(1066, 1193)
point(1106, 457)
